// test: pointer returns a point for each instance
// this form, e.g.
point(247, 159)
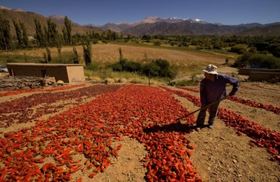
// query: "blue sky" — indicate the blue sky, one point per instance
point(230, 12)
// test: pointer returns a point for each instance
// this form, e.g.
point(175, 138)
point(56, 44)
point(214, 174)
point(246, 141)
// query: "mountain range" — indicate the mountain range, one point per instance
point(148, 26)
point(179, 26)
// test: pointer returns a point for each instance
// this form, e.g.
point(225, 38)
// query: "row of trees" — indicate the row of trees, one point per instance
point(5, 34)
point(48, 35)
point(21, 34)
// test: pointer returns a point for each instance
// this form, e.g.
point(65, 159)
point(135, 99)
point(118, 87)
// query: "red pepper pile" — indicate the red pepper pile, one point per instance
point(247, 102)
point(252, 103)
point(16, 92)
point(21, 111)
point(261, 136)
point(90, 129)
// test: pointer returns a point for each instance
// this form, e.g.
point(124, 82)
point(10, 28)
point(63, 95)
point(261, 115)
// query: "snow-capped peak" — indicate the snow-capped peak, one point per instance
point(150, 19)
point(4, 7)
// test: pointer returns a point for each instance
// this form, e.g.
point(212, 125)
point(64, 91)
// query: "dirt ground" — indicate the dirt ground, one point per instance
point(219, 154)
point(127, 166)
point(267, 93)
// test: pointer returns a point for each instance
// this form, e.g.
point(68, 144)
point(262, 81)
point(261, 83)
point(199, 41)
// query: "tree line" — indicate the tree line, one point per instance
point(48, 35)
point(231, 43)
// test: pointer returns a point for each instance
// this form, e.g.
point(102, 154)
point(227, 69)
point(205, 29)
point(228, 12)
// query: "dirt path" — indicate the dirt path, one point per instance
point(127, 166)
point(221, 155)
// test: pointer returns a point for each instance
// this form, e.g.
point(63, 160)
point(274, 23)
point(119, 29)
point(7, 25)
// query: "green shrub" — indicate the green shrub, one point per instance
point(159, 67)
point(117, 67)
point(151, 69)
point(258, 61)
point(92, 67)
point(239, 48)
point(155, 68)
point(275, 49)
point(157, 43)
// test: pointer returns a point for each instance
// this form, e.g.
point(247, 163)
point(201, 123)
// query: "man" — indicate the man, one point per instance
point(213, 89)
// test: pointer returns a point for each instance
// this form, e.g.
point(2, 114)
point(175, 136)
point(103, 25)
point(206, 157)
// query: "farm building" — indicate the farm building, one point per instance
point(68, 73)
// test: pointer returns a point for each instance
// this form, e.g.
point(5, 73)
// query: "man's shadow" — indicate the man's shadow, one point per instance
point(178, 127)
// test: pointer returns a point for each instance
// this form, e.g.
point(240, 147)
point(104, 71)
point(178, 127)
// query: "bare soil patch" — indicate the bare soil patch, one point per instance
point(127, 166)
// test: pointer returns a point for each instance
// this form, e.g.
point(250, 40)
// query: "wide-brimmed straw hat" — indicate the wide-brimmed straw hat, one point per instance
point(211, 69)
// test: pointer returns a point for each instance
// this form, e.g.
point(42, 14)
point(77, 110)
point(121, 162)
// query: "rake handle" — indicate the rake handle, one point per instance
point(204, 107)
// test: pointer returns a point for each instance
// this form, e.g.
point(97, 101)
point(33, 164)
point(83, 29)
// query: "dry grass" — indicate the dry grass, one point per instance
point(108, 53)
point(187, 62)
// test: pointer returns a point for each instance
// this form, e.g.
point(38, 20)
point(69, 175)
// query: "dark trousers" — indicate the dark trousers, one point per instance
point(212, 114)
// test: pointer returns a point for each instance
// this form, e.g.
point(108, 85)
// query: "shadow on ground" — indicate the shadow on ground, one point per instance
point(178, 127)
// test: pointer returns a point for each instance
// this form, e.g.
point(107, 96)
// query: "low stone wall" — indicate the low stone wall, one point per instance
point(248, 71)
point(257, 74)
point(14, 83)
point(264, 76)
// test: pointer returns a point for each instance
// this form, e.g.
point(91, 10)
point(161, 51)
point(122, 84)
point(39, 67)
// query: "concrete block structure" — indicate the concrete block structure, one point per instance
point(68, 73)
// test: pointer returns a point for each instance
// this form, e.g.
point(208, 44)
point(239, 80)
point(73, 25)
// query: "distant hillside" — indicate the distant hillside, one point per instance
point(28, 19)
point(176, 26)
point(268, 29)
point(150, 25)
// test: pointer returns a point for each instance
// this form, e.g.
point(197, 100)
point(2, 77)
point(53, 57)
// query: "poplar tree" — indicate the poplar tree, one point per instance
point(5, 34)
point(68, 30)
point(64, 34)
point(52, 33)
point(120, 54)
point(24, 35)
point(18, 33)
point(39, 34)
point(87, 53)
point(75, 56)
point(49, 57)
